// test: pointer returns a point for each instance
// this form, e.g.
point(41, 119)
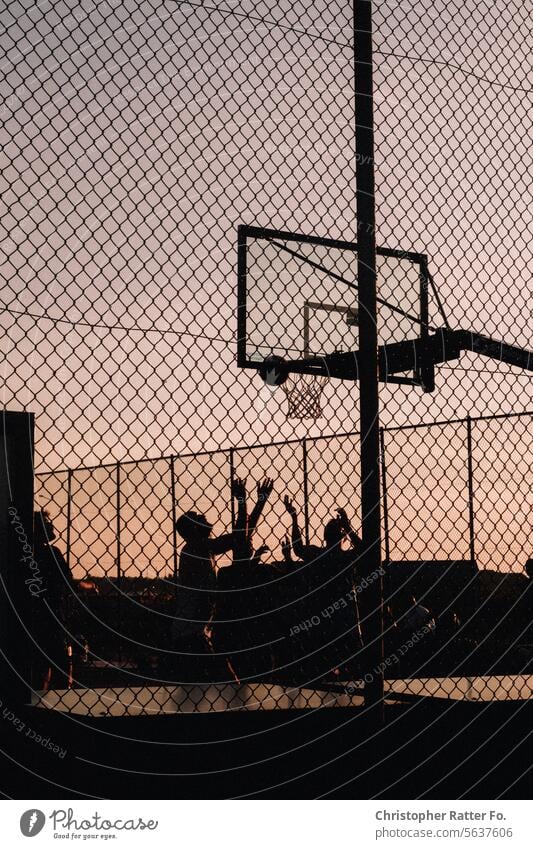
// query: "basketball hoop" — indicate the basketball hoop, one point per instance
point(304, 394)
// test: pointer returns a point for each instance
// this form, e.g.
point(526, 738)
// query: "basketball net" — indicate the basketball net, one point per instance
point(304, 395)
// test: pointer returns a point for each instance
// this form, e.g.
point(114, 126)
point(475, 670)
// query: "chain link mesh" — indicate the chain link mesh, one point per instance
point(120, 625)
point(139, 135)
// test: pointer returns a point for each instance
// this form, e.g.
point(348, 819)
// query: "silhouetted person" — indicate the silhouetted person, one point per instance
point(413, 617)
point(50, 608)
point(240, 597)
point(331, 643)
point(191, 628)
point(416, 633)
point(195, 596)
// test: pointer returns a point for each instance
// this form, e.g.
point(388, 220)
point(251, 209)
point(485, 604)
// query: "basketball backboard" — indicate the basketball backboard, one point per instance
point(298, 298)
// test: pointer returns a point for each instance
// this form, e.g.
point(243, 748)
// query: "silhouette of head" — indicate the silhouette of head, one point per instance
point(333, 533)
point(193, 526)
point(43, 529)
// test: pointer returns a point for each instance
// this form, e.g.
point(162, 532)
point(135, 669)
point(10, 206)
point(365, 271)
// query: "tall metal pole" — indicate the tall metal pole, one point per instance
point(118, 542)
point(368, 348)
point(174, 517)
point(119, 567)
point(306, 490)
point(384, 489)
point(471, 525)
point(69, 519)
point(231, 479)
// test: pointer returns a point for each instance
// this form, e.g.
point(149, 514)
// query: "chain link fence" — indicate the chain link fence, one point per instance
point(444, 497)
point(455, 534)
point(139, 136)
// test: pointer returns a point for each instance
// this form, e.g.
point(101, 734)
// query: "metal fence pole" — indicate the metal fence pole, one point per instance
point(470, 489)
point(118, 504)
point(20, 598)
point(231, 479)
point(306, 490)
point(118, 566)
point(368, 348)
point(69, 516)
point(385, 499)
point(174, 517)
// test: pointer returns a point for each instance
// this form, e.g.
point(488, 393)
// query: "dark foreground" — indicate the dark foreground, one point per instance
point(429, 749)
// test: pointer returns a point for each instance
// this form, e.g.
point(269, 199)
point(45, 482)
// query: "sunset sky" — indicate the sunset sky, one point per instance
point(137, 136)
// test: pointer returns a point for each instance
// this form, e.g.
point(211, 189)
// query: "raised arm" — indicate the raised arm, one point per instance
point(257, 555)
point(226, 542)
point(264, 490)
point(296, 537)
point(238, 491)
point(240, 535)
point(286, 549)
point(347, 528)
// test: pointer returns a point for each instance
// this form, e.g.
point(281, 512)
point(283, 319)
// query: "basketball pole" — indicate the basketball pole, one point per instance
point(368, 360)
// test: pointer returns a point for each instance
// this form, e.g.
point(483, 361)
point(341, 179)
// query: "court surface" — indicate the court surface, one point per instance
point(132, 701)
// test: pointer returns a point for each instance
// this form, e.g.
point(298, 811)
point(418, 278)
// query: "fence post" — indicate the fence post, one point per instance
point(470, 489)
point(174, 517)
point(118, 564)
point(20, 589)
point(385, 500)
point(368, 349)
point(119, 572)
point(306, 490)
point(231, 479)
point(69, 517)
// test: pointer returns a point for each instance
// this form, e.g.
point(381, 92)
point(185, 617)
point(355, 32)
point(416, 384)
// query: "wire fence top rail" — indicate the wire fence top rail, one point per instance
point(280, 442)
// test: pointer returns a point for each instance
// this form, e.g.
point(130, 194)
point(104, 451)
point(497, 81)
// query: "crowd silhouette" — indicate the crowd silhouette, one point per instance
point(295, 619)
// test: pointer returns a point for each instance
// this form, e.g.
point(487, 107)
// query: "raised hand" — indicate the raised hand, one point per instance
point(289, 505)
point(343, 519)
point(264, 489)
point(286, 548)
point(346, 526)
point(256, 555)
point(238, 489)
